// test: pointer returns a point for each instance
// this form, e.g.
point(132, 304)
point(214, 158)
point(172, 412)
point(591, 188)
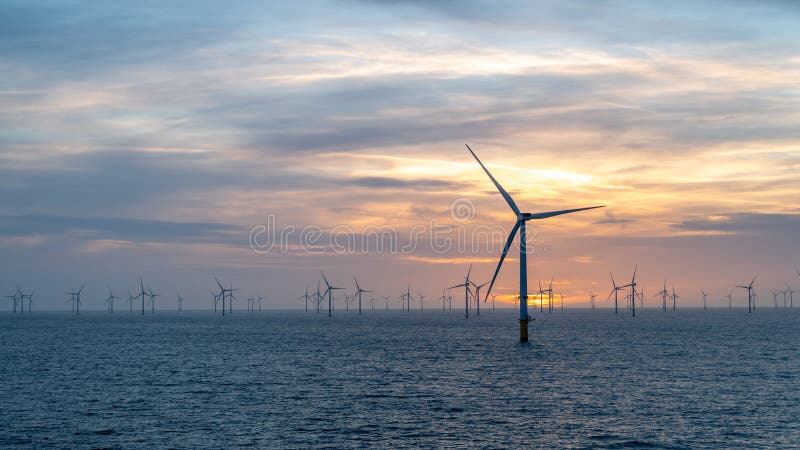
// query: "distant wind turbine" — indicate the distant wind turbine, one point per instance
point(141, 293)
point(13, 299)
point(359, 291)
point(467, 292)
point(329, 292)
point(478, 297)
point(110, 301)
point(76, 300)
point(153, 297)
point(305, 296)
point(705, 298)
point(180, 302)
point(615, 292)
point(775, 296)
point(750, 292)
point(519, 225)
point(592, 301)
point(664, 294)
point(675, 297)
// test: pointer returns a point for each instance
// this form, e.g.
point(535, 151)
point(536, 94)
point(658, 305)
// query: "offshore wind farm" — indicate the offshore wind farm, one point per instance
point(399, 224)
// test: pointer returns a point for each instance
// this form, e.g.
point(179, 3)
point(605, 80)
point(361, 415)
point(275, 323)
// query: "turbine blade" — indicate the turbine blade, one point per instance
point(503, 192)
point(502, 255)
point(545, 215)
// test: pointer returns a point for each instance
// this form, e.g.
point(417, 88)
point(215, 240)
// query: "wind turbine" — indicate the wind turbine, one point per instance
point(478, 297)
point(705, 298)
point(664, 294)
point(180, 302)
point(231, 298)
point(519, 225)
point(549, 292)
point(110, 301)
point(443, 298)
point(260, 299)
point(615, 292)
point(750, 292)
point(406, 298)
point(141, 293)
point(730, 299)
point(421, 301)
point(791, 292)
point(130, 300)
point(387, 302)
point(30, 301)
point(493, 299)
point(152, 296)
point(76, 299)
point(563, 299)
point(592, 301)
point(304, 297)
point(675, 296)
point(632, 285)
point(347, 299)
point(329, 292)
point(372, 302)
point(222, 295)
point(775, 296)
point(22, 297)
point(465, 285)
point(215, 300)
point(319, 298)
point(359, 291)
point(13, 299)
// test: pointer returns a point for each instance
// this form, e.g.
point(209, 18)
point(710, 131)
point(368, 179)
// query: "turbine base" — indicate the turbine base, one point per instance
point(523, 330)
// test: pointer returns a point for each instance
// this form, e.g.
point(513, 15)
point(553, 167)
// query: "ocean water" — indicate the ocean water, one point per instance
point(588, 379)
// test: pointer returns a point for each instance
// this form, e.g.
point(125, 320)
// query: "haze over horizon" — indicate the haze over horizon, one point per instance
point(148, 139)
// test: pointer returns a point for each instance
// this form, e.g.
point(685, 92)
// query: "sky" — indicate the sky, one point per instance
point(264, 142)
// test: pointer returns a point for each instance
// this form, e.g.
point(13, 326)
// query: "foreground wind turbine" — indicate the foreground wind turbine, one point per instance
point(519, 225)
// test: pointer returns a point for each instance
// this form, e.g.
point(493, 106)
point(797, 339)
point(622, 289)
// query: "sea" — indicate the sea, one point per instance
point(690, 378)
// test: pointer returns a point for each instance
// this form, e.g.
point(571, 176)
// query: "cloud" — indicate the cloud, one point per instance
point(744, 223)
point(121, 229)
point(389, 182)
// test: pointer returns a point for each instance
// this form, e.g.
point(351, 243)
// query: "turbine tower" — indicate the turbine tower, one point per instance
point(519, 225)
point(705, 298)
